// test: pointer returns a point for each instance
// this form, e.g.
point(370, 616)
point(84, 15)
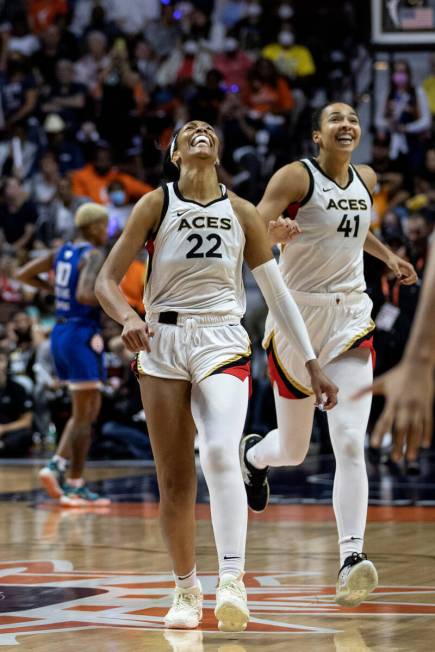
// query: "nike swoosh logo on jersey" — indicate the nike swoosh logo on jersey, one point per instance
point(180, 213)
point(327, 189)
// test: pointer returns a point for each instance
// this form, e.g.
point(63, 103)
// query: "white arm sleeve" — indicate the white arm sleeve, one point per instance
point(283, 307)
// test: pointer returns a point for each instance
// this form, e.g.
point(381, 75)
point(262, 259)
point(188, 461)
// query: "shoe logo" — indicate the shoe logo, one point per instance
point(180, 213)
point(231, 556)
point(327, 189)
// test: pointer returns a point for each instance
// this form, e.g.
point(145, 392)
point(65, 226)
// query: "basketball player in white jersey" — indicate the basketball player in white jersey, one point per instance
point(193, 359)
point(323, 267)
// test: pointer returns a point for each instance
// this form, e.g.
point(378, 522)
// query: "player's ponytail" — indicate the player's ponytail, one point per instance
point(171, 171)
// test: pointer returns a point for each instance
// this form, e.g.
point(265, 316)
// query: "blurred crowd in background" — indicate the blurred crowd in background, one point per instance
point(90, 92)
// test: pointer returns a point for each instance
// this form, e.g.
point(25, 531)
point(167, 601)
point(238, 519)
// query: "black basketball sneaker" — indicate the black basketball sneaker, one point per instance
point(256, 483)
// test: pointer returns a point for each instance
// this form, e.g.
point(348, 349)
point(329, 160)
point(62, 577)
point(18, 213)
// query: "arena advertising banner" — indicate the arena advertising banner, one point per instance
point(403, 22)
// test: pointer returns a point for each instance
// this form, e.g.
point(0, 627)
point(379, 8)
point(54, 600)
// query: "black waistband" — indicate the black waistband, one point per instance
point(168, 317)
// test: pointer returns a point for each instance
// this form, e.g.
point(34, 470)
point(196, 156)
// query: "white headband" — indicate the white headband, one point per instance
point(172, 147)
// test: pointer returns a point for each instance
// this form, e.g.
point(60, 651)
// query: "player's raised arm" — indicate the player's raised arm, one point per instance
point(278, 298)
point(142, 222)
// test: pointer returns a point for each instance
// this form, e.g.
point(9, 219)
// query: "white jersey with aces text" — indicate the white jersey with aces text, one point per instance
point(328, 255)
point(195, 261)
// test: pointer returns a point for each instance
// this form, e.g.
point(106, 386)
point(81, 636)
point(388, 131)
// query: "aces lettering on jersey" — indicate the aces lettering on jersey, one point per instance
point(202, 245)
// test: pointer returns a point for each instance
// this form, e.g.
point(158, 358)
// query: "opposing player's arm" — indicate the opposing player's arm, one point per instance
point(281, 304)
point(30, 272)
point(288, 185)
point(143, 220)
point(85, 293)
point(409, 387)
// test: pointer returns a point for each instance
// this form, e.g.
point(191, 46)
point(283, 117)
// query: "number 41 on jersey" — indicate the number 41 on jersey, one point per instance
point(348, 227)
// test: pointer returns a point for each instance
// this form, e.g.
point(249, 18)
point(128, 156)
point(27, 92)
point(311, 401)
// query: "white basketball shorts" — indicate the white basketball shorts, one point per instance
point(335, 322)
point(196, 347)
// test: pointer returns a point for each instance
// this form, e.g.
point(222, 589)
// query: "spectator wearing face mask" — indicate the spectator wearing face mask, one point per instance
point(94, 178)
point(118, 208)
point(233, 64)
point(292, 60)
point(402, 118)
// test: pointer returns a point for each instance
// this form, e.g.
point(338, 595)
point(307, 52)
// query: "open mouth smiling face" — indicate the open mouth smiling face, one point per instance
point(201, 138)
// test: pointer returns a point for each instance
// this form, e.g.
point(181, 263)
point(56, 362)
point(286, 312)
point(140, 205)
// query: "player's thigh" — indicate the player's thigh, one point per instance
point(219, 407)
point(294, 417)
point(170, 425)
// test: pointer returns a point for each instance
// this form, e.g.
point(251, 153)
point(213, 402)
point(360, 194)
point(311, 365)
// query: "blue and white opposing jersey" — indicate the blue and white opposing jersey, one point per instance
point(67, 271)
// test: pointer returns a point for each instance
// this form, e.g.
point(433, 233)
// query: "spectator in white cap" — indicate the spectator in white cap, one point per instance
point(68, 153)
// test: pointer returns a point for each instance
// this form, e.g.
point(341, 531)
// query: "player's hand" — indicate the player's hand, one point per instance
point(283, 230)
point(136, 334)
point(408, 390)
point(322, 386)
point(403, 270)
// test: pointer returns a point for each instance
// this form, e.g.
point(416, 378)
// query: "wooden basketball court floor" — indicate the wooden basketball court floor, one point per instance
point(98, 579)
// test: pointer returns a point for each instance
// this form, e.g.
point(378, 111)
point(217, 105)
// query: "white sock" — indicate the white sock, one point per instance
point(219, 405)
point(75, 482)
point(252, 458)
point(348, 545)
point(186, 581)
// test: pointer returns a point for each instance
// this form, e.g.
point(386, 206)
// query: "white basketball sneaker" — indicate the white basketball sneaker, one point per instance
point(186, 610)
point(356, 579)
point(231, 605)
